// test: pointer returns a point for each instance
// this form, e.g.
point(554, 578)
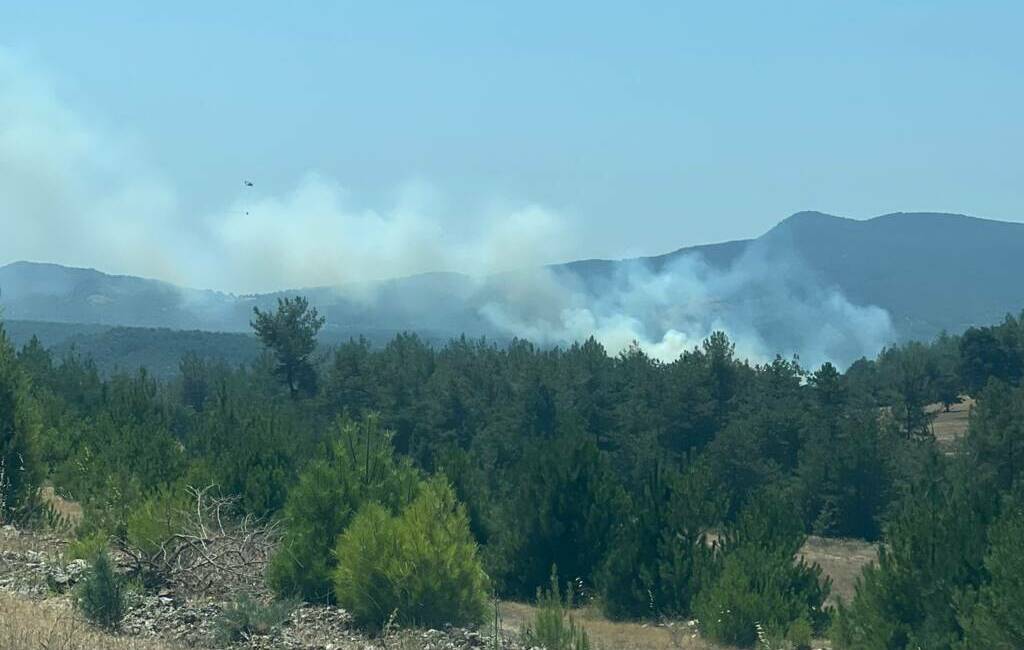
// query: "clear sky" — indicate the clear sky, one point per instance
point(646, 126)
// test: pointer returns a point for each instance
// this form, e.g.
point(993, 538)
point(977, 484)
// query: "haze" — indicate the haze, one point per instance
point(385, 140)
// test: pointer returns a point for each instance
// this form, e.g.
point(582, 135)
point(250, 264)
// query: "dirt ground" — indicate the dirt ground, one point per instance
point(842, 560)
point(605, 634)
point(950, 427)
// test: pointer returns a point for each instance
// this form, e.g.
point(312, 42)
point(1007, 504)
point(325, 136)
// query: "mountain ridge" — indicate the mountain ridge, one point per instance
point(888, 261)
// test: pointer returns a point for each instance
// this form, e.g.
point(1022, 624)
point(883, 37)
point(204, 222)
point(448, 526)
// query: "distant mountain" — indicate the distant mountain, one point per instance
point(929, 271)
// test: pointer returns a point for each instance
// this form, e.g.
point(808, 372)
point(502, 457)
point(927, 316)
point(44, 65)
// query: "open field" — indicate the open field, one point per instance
point(950, 427)
point(842, 560)
point(606, 635)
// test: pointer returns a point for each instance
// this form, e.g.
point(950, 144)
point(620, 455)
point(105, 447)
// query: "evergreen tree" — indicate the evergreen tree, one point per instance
point(992, 353)
point(909, 373)
point(994, 616)
point(20, 469)
point(101, 594)
point(291, 333)
point(420, 565)
point(995, 436)
point(934, 545)
point(360, 468)
point(759, 581)
point(349, 386)
point(562, 513)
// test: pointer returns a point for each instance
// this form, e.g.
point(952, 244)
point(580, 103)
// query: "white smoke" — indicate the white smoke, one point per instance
point(78, 194)
point(312, 237)
point(766, 301)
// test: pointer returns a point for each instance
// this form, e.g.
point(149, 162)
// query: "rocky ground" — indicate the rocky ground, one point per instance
point(33, 568)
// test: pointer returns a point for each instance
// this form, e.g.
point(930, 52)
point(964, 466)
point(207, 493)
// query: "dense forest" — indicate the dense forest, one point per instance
point(425, 480)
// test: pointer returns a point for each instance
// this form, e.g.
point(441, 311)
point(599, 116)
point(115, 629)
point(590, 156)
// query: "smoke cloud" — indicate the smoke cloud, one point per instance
point(766, 301)
point(79, 194)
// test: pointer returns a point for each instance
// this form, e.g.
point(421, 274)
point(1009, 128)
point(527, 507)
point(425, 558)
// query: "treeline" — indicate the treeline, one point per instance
point(428, 478)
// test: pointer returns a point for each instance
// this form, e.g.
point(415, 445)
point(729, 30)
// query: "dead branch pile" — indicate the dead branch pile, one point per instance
point(211, 551)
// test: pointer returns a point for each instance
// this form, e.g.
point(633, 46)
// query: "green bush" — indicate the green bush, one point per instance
point(247, 617)
point(156, 520)
point(554, 627)
point(87, 546)
point(101, 593)
point(759, 587)
point(361, 468)
point(420, 567)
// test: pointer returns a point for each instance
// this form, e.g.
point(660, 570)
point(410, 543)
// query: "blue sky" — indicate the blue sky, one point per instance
point(643, 126)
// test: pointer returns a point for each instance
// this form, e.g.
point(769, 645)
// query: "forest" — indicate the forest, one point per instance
point(416, 483)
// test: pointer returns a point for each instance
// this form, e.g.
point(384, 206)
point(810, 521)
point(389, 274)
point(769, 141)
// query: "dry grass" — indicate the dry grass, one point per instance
point(53, 625)
point(14, 544)
point(612, 635)
point(950, 427)
point(840, 559)
point(71, 511)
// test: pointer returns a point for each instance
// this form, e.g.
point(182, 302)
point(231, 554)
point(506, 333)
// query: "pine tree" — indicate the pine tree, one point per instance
point(360, 468)
point(20, 470)
point(420, 565)
point(563, 513)
point(101, 594)
point(934, 545)
point(291, 333)
point(759, 581)
point(994, 616)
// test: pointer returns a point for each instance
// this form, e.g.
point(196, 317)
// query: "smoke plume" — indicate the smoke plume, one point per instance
point(79, 194)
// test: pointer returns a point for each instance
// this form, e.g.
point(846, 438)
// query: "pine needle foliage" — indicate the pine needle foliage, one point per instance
point(101, 597)
point(418, 568)
point(554, 627)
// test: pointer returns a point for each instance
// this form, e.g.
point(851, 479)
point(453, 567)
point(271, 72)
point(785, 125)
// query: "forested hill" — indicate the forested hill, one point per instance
point(931, 272)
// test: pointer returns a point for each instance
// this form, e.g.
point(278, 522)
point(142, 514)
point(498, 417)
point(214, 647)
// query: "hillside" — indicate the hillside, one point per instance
point(888, 261)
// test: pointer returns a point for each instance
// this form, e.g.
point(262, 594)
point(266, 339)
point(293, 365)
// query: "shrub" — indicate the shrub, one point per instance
point(87, 547)
point(360, 468)
point(247, 617)
point(758, 583)
point(420, 567)
point(554, 627)
point(798, 637)
point(156, 520)
point(101, 593)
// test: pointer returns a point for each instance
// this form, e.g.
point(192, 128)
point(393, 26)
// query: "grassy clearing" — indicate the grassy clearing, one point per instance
point(950, 427)
point(608, 635)
point(53, 625)
point(842, 560)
